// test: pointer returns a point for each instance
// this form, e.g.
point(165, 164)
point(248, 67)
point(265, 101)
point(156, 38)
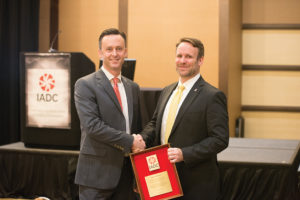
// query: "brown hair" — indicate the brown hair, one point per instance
point(195, 43)
point(111, 31)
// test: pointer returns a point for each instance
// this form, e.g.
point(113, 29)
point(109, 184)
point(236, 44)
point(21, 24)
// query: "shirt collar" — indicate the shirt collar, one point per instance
point(189, 83)
point(109, 75)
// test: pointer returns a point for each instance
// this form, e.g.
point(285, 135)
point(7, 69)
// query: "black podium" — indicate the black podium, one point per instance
point(128, 67)
point(48, 114)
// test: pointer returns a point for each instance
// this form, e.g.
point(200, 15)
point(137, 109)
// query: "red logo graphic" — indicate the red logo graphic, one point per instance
point(152, 160)
point(47, 82)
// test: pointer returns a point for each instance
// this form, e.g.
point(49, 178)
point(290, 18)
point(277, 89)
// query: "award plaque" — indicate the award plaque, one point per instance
point(155, 176)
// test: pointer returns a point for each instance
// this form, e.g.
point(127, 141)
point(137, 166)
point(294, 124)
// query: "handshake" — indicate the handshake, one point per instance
point(138, 143)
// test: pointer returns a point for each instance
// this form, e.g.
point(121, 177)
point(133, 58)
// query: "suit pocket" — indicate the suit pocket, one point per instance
point(93, 151)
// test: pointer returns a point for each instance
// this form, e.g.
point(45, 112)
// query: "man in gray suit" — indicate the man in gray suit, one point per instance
point(108, 108)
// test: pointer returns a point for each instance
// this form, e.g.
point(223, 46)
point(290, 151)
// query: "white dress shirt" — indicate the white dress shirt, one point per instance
point(122, 94)
point(187, 87)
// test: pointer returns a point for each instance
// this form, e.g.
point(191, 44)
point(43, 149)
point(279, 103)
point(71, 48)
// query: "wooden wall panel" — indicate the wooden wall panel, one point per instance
point(275, 44)
point(271, 88)
point(230, 57)
point(44, 26)
point(277, 125)
point(271, 47)
point(234, 54)
point(271, 11)
point(154, 28)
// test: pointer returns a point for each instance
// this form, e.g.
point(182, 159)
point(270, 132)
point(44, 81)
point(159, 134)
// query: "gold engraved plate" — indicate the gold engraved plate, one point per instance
point(158, 184)
point(153, 163)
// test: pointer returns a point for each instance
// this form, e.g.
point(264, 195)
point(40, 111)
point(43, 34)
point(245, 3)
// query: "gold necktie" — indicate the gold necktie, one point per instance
point(172, 112)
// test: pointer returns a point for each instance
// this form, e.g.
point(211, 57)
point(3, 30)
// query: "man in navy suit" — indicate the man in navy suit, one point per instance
point(108, 108)
point(199, 129)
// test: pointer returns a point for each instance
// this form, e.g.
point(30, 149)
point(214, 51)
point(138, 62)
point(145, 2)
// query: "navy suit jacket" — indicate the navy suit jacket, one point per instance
point(201, 131)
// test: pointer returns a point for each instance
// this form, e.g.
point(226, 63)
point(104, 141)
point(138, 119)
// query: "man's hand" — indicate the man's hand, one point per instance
point(138, 143)
point(175, 155)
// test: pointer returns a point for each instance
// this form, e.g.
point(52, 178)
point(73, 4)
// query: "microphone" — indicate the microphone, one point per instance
point(51, 50)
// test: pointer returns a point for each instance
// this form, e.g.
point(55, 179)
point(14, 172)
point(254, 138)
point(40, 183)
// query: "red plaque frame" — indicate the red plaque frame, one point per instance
point(141, 171)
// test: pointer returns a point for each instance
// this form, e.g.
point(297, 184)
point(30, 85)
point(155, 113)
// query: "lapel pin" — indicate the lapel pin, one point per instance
point(195, 90)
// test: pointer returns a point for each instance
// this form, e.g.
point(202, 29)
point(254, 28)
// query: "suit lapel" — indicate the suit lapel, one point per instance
point(129, 96)
point(193, 93)
point(103, 81)
point(163, 104)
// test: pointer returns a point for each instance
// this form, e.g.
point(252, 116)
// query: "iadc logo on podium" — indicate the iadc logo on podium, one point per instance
point(47, 83)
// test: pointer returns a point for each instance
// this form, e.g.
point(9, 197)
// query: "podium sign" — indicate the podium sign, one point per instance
point(48, 91)
point(155, 176)
point(48, 114)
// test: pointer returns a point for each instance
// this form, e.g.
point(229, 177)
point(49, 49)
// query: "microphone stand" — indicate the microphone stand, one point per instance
point(51, 50)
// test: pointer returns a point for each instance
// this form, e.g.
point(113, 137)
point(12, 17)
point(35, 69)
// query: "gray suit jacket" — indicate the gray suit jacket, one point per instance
point(104, 141)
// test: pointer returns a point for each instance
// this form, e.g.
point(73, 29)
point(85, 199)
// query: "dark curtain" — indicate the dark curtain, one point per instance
point(18, 32)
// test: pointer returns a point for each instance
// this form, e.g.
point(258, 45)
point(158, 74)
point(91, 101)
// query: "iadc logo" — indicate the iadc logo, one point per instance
point(47, 83)
point(152, 162)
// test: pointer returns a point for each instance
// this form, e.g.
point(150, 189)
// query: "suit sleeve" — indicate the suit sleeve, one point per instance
point(217, 132)
point(138, 127)
point(148, 132)
point(92, 122)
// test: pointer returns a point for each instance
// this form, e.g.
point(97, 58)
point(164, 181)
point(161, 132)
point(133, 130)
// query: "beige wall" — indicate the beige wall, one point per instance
point(82, 21)
point(153, 32)
point(154, 27)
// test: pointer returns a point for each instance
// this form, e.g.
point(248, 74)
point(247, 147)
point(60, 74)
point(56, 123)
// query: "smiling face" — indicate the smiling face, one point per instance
point(113, 52)
point(187, 62)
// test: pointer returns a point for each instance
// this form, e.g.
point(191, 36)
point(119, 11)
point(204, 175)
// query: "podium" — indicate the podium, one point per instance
point(128, 67)
point(48, 114)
